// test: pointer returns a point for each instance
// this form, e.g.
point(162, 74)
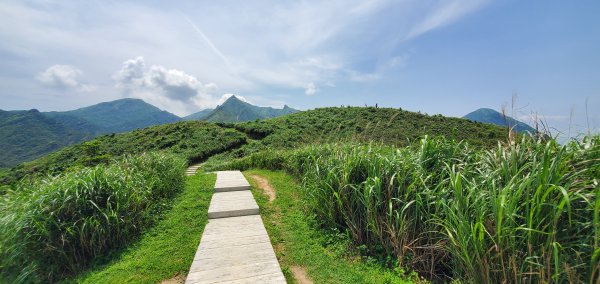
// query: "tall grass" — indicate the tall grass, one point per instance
point(54, 227)
point(525, 211)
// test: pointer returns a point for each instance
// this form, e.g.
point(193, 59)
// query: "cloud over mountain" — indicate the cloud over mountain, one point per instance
point(170, 88)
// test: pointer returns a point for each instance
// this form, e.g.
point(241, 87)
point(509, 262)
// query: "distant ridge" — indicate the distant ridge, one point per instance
point(29, 134)
point(487, 115)
point(118, 116)
point(236, 110)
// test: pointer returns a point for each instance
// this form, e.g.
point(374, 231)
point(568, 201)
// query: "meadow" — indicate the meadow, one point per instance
point(442, 198)
point(523, 211)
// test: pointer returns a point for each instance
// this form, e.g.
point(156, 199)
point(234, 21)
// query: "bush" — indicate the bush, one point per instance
point(54, 227)
point(520, 212)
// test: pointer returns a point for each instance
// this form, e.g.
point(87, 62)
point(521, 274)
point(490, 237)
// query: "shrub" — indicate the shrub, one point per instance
point(54, 227)
point(521, 212)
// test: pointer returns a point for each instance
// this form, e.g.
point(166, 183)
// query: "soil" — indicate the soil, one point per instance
point(263, 183)
point(300, 275)
point(177, 279)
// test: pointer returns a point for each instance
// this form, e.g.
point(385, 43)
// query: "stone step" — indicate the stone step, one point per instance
point(235, 250)
point(232, 204)
point(231, 181)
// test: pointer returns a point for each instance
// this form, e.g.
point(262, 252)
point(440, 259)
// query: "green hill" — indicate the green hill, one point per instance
point(26, 135)
point(118, 116)
point(235, 110)
point(194, 140)
point(491, 116)
point(200, 140)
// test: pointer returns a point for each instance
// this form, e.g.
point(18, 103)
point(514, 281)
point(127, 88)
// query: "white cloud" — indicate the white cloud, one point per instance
point(169, 88)
point(64, 77)
point(310, 89)
point(444, 13)
point(246, 47)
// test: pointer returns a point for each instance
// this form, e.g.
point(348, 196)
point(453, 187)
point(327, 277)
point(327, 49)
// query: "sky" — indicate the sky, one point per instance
point(450, 57)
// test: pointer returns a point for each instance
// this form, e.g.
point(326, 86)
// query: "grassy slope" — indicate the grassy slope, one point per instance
point(194, 140)
point(380, 125)
point(325, 257)
point(26, 135)
point(166, 250)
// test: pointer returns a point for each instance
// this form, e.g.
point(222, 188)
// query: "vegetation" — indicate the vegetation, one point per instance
point(526, 211)
point(26, 135)
point(357, 124)
point(193, 140)
point(54, 227)
point(327, 256)
point(167, 250)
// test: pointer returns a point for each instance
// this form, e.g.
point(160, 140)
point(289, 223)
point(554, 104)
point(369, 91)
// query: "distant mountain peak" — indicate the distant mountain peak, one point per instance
point(235, 109)
point(488, 115)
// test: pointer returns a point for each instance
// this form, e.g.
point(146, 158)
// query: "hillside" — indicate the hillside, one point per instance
point(236, 110)
point(199, 115)
point(26, 135)
point(118, 116)
point(384, 125)
point(200, 140)
point(491, 116)
point(193, 140)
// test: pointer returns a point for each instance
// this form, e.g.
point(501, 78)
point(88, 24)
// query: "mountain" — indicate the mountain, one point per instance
point(117, 116)
point(491, 116)
point(26, 135)
point(199, 115)
point(29, 134)
point(236, 110)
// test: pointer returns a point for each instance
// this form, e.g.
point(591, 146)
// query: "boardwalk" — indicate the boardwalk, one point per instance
point(235, 247)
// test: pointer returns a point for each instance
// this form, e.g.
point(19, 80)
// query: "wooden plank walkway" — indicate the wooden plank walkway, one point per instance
point(235, 247)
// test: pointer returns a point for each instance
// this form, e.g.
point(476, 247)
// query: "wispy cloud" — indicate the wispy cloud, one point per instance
point(444, 13)
point(208, 41)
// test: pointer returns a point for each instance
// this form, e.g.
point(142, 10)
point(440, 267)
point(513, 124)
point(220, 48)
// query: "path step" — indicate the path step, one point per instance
point(235, 250)
point(191, 170)
point(232, 204)
point(231, 181)
point(235, 247)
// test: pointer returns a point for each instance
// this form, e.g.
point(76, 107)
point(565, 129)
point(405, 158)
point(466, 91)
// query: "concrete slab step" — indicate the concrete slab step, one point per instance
point(232, 204)
point(235, 250)
point(231, 181)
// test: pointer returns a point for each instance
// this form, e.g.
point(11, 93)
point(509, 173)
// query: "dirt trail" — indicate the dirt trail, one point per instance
point(300, 275)
point(264, 184)
point(177, 279)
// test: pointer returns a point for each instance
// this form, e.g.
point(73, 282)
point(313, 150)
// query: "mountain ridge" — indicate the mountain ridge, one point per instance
point(29, 134)
point(236, 110)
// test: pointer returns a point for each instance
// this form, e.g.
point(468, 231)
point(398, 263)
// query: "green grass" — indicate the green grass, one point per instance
point(55, 227)
point(192, 140)
point(328, 257)
point(166, 250)
point(525, 211)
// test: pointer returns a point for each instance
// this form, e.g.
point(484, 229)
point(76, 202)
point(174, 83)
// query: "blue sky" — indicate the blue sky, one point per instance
point(448, 57)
